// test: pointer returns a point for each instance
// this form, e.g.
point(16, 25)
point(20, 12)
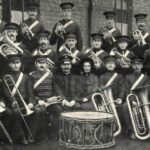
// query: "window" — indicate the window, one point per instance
point(122, 18)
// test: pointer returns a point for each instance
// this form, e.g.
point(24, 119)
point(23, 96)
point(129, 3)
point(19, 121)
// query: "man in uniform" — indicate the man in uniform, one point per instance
point(66, 84)
point(11, 39)
point(133, 82)
point(109, 30)
point(44, 49)
point(14, 100)
point(64, 26)
point(96, 53)
point(141, 38)
point(31, 26)
point(44, 92)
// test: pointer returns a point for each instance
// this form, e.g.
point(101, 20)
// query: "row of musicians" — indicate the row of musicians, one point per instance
point(42, 86)
point(121, 51)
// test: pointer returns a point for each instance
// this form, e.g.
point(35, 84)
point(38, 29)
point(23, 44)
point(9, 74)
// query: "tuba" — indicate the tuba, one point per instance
point(103, 101)
point(139, 111)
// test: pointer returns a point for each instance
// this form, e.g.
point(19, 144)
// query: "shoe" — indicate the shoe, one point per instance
point(24, 142)
point(132, 136)
point(31, 141)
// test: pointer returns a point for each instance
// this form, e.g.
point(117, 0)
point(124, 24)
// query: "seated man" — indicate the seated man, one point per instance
point(87, 84)
point(42, 79)
point(66, 84)
point(22, 103)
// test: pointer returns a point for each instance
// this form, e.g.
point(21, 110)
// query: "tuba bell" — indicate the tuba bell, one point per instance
point(139, 111)
point(103, 101)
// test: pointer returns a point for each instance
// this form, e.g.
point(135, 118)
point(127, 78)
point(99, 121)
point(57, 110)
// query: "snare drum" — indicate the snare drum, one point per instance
point(86, 130)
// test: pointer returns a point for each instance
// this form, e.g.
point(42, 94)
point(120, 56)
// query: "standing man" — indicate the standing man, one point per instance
point(141, 38)
point(31, 26)
point(64, 26)
point(109, 30)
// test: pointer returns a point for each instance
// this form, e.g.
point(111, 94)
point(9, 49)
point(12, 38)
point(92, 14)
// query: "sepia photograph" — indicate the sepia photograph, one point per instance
point(74, 74)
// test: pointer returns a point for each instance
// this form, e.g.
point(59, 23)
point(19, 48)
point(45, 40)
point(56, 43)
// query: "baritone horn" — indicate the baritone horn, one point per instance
point(139, 111)
point(104, 101)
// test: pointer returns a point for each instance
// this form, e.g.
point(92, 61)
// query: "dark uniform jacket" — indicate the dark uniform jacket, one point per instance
point(132, 78)
point(74, 27)
point(117, 86)
point(109, 42)
point(46, 88)
point(25, 88)
point(87, 85)
point(32, 43)
point(66, 86)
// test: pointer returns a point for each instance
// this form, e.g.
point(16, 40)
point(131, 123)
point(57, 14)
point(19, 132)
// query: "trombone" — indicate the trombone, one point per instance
point(9, 81)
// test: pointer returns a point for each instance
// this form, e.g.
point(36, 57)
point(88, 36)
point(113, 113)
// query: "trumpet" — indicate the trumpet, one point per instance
point(103, 101)
point(139, 111)
point(137, 34)
point(106, 31)
point(60, 30)
point(31, 34)
point(9, 81)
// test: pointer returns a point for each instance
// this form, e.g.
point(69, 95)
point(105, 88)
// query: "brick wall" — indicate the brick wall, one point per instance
point(50, 13)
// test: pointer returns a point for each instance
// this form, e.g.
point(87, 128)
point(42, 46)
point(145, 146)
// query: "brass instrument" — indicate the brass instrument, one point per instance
point(58, 101)
point(139, 111)
point(106, 31)
point(9, 81)
point(2, 109)
point(137, 34)
point(60, 30)
point(5, 50)
point(104, 99)
point(6, 132)
point(31, 34)
point(5, 39)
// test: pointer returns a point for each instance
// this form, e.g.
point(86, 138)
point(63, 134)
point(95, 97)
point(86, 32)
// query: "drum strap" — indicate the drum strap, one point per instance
point(33, 24)
point(112, 79)
point(41, 79)
point(68, 24)
point(17, 84)
point(41, 53)
point(137, 82)
point(145, 35)
point(49, 60)
point(112, 30)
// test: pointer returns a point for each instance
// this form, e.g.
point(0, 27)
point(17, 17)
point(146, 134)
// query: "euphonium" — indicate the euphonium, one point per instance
point(139, 111)
point(106, 100)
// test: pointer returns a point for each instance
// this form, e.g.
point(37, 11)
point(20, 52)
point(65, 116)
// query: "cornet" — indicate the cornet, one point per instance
point(137, 34)
point(31, 34)
point(60, 30)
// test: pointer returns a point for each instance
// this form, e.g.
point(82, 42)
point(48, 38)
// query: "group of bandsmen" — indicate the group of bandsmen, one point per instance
point(33, 76)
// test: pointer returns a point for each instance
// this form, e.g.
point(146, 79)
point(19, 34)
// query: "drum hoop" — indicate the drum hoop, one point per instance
point(81, 119)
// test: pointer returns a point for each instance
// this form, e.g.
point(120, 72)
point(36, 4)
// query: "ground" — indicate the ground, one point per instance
point(122, 143)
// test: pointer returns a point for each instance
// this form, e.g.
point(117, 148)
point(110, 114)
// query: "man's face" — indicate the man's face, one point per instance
point(110, 65)
point(32, 13)
point(66, 67)
point(137, 67)
point(71, 42)
point(12, 34)
point(97, 43)
point(43, 42)
point(141, 24)
point(110, 22)
point(41, 65)
point(123, 45)
point(67, 13)
point(86, 67)
point(15, 65)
